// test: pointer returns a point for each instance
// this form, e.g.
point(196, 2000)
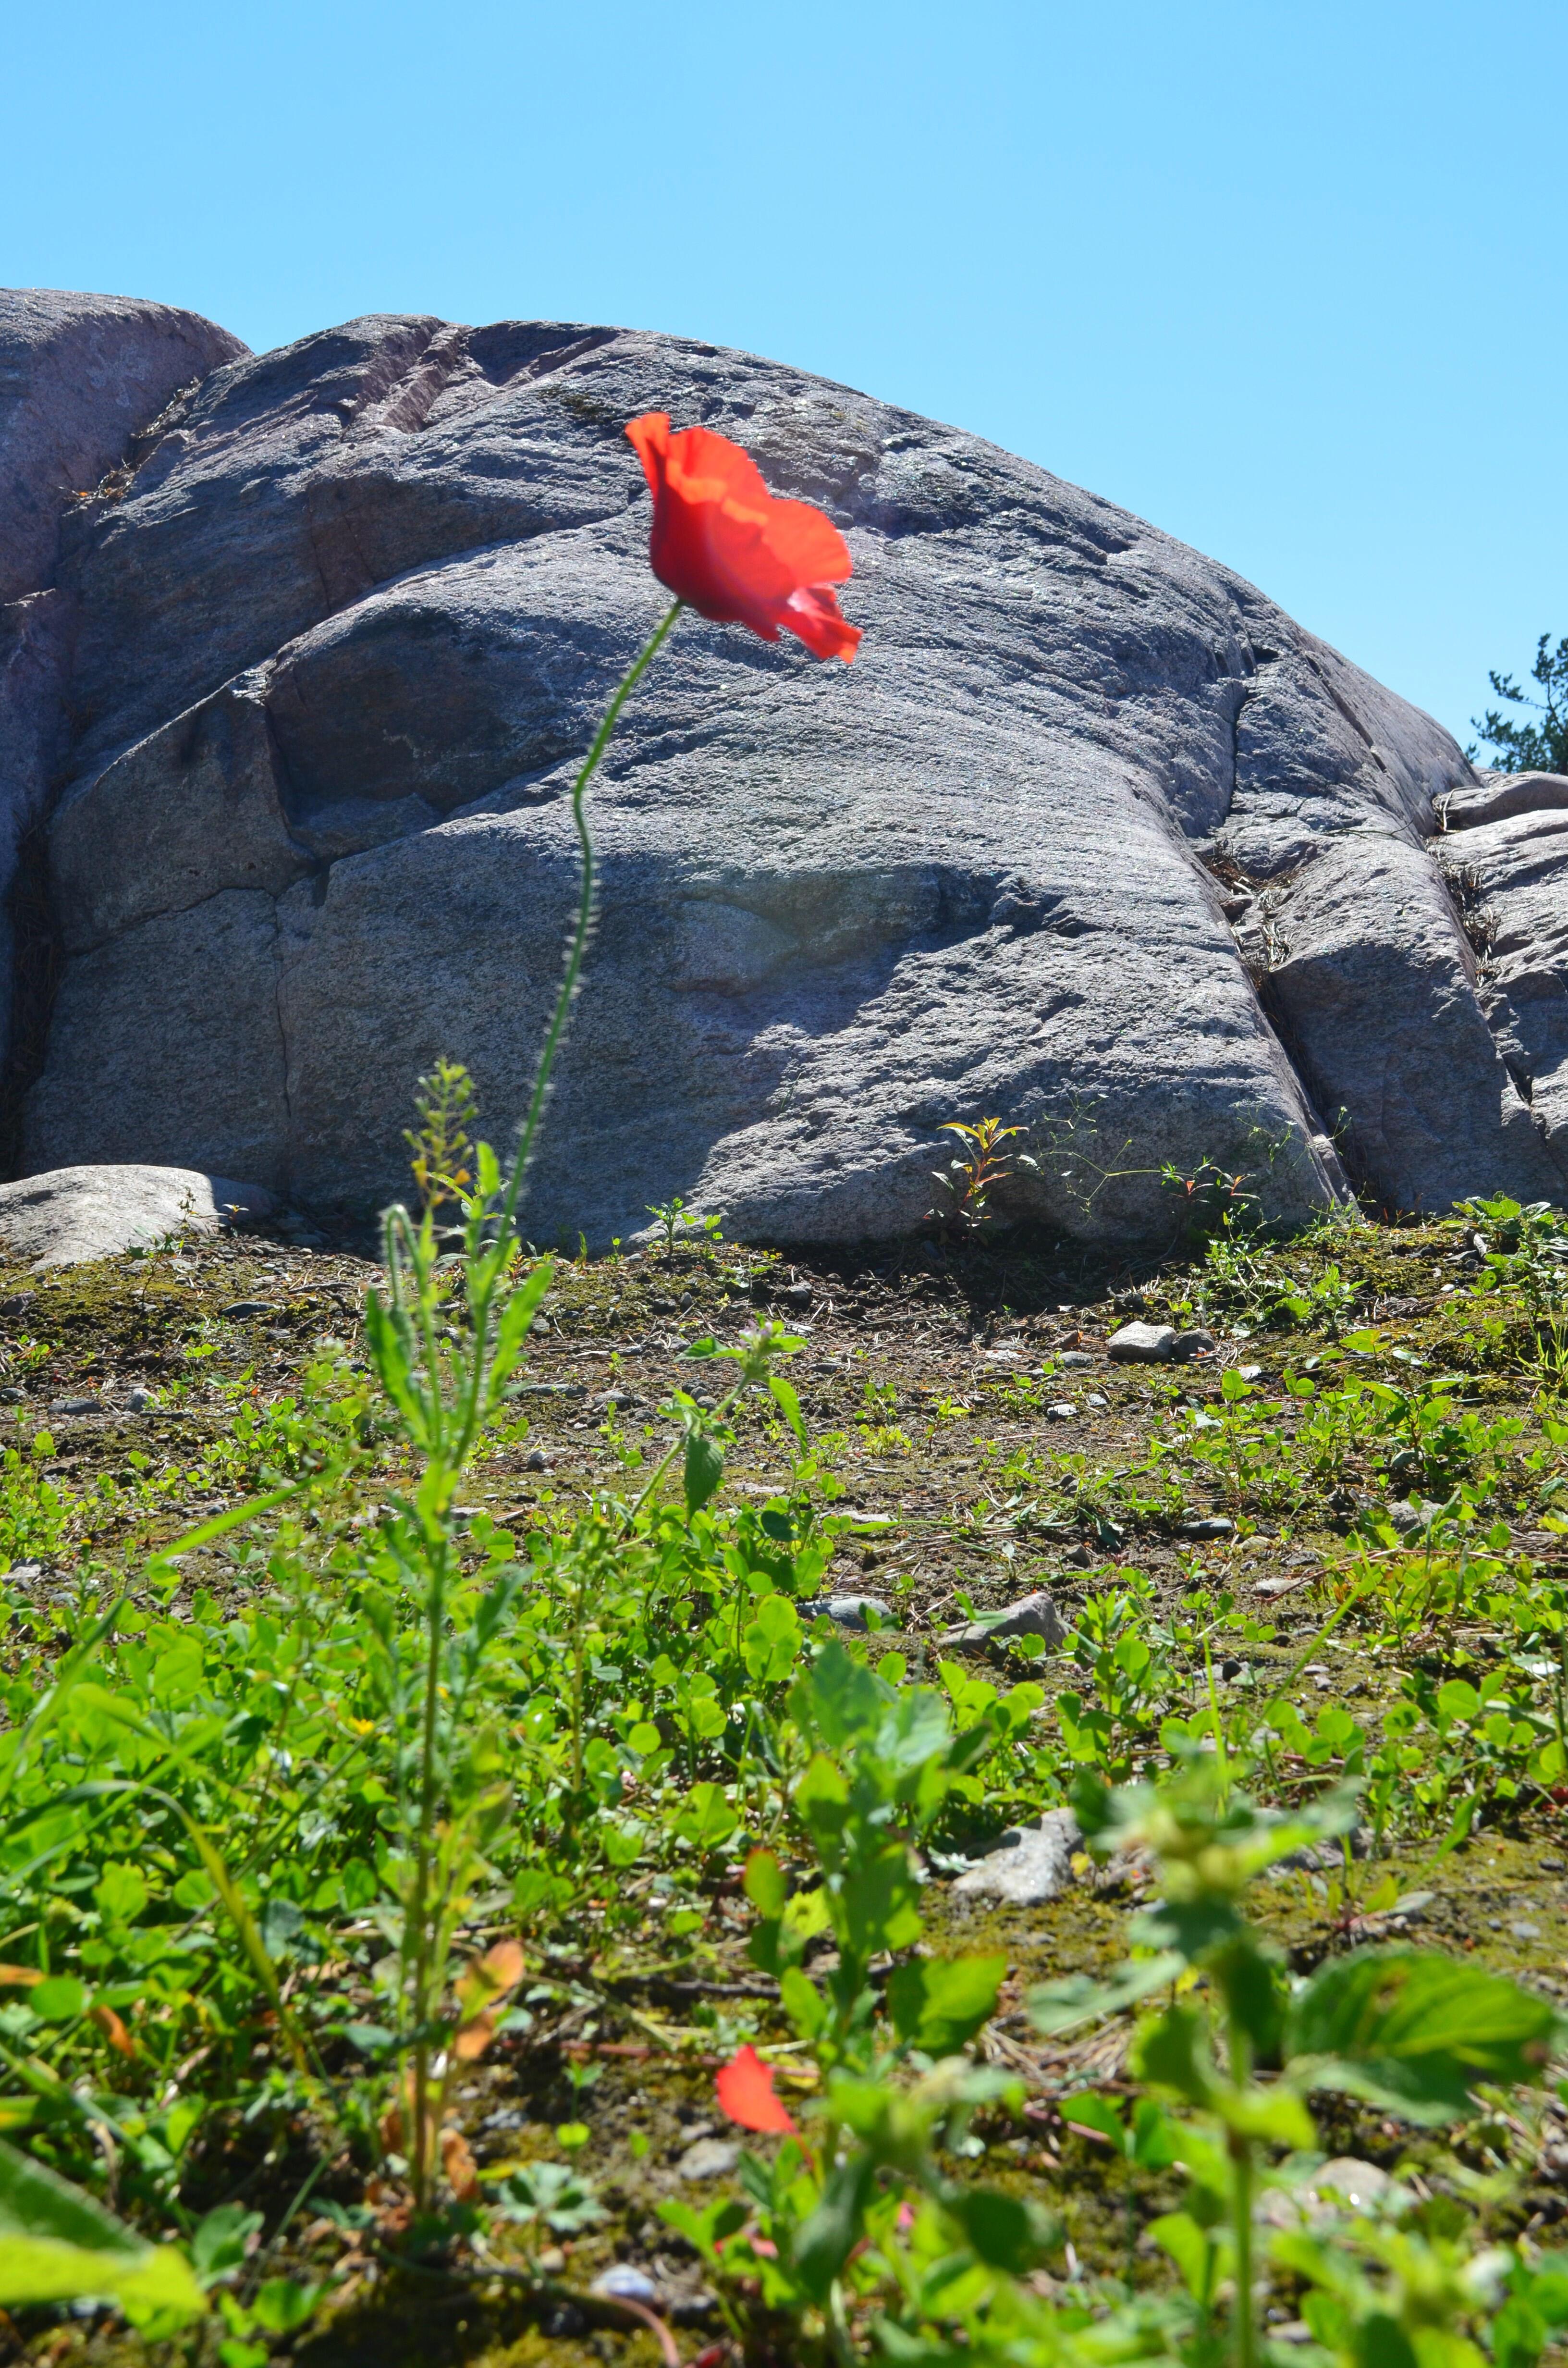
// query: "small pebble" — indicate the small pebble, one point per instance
point(708, 2159)
point(1060, 1413)
point(139, 1401)
point(1525, 1930)
point(75, 1405)
point(621, 2282)
point(243, 1307)
point(1142, 1344)
point(1095, 1399)
point(1074, 1357)
point(1031, 1615)
point(849, 1611)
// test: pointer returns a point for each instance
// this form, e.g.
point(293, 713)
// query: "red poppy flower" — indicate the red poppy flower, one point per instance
point(745, 2093)
point(730, 550)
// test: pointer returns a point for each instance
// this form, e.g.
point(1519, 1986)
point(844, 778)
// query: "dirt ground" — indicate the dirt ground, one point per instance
point(966, 1392)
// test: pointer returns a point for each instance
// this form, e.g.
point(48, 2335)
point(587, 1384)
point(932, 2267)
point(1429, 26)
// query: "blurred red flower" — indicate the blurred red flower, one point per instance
point(745, 2093)
point(730, 550)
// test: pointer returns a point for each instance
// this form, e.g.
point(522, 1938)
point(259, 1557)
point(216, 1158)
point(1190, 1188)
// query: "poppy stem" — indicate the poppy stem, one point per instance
point(579, 945)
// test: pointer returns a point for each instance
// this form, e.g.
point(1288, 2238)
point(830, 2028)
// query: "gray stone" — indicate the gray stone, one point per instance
point(1377, 982)
point(621, 2282)
point(1157, 1343)
point(708, 2159)
point(1512, 873)
point(1074, 1359)
point(1324, 1857)
point(1413, 1513)
point(1343, 2185)
point(1090, 835)
point(167, 1047)
point(1284, 1583)
point(1142, 1344)
point(849, 1611)
point(1031, 1615)
point(81, 377)
point(1215, 1526)
point(194, 809)
point(35, 664)
point(77, 1214)
point(1498, 800)
point(1362, 2185)
point(1032, 1863)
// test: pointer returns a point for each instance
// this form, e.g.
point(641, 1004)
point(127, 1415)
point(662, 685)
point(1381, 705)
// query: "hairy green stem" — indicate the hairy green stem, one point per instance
point(1243, 2167)
point(668, 1457)
point(452, 1416)
point(482, 1305)
point(577, 1683)
point(629, 682)
point(419, 1903)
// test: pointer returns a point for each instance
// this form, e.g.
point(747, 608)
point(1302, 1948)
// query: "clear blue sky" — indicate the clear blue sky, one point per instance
point(1288, 279)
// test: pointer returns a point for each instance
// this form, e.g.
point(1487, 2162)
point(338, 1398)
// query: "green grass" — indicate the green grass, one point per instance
point(214, 2025)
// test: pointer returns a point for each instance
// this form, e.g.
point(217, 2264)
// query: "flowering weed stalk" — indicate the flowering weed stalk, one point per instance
point(722, 543)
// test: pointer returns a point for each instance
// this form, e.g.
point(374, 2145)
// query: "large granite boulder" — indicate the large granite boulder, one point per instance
point(1091, 834)
point(82, 378)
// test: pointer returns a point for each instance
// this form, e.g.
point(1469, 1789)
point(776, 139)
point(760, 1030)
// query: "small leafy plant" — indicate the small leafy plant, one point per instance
point(677, 1223)
point(845, 2224)
point(970, 1180)
point(1239, 2048)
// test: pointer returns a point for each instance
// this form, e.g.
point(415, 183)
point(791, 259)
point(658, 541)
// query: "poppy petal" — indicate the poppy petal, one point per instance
point(744, 2089)
point(650, 439)
point(730, 550)
point(813, 615)
point(807, 543)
